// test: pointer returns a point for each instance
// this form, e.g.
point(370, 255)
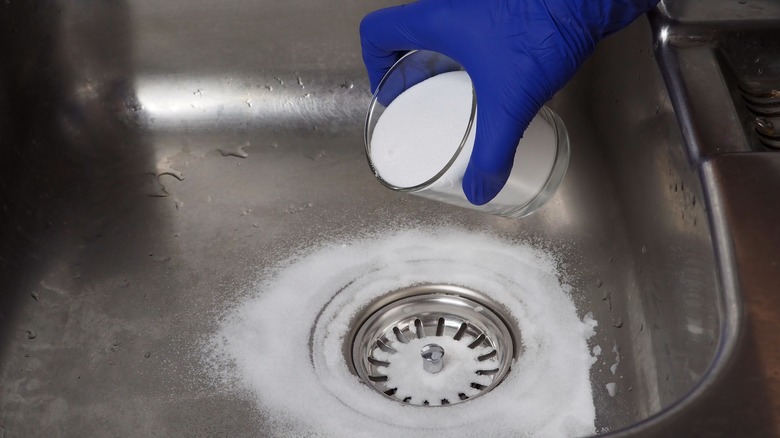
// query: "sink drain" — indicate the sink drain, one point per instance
point(432, 345)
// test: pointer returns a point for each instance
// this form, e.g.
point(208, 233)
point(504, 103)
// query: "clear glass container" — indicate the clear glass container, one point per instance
point(540, 162)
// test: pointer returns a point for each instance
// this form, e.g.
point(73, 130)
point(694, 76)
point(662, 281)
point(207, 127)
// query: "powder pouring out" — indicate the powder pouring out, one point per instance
point(282, 346)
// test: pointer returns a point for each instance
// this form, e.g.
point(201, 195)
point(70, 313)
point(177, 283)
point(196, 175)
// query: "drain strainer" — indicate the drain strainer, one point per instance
point(432, 345)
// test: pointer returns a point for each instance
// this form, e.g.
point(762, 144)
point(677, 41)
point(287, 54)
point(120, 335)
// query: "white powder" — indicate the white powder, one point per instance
point(282, 345)
point(614, 366)
point(611, 388)
point(420, 131)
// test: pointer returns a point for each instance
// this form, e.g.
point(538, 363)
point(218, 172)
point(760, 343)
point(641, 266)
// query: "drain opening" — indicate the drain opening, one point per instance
point(432, 345)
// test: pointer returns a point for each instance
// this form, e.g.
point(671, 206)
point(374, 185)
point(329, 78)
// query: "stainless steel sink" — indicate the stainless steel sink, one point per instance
point(156, 155)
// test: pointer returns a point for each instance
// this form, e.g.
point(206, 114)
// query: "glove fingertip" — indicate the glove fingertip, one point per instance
point(493, 155)
point(479, 187)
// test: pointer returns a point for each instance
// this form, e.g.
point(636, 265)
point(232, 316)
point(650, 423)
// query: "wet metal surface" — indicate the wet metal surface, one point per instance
point(155, 156)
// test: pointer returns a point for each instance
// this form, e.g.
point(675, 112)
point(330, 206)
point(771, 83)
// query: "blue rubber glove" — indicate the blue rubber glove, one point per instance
point(517, 52)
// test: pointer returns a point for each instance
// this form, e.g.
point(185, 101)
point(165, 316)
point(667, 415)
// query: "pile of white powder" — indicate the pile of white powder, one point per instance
point(282, 345)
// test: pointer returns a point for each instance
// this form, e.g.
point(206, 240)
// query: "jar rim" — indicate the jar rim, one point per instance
point(368, 127)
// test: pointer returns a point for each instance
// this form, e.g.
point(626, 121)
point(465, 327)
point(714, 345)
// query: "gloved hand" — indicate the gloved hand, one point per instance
point(517, 52)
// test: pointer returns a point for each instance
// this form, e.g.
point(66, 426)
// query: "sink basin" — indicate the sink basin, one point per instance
point(156, 156)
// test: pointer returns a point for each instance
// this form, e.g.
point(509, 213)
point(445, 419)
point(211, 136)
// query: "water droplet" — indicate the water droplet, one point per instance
point(34, 296)
point(198, 92)
point(307, 95)
point(172, 172)
point(316, 155)
point(32, 334)
point(742, 2)
point(161, 259)
point(235, 151)
point(675, 187)
point(293, 208)
point(269, 88)
point(599, 282)
point(618, 323)
point(300, 82)
point(123, 283)
point(153, 188)
point(644, 249)
point(347, 85)
point(279, 80)
point(255, 226)
point(248, 103)
point(147, 354)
